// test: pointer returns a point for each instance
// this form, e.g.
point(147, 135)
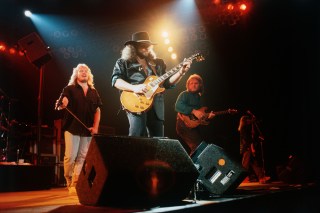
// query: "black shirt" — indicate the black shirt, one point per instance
point(84, 107)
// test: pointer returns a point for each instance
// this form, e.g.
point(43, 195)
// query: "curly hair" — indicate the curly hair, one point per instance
point(73, 78)
point(199, 79)
point(129, 53)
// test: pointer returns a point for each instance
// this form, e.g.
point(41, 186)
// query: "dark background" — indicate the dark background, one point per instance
point(267, 62)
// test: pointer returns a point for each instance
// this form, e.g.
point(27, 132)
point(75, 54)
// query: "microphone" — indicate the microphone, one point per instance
point(58, 103)
point(250, 113)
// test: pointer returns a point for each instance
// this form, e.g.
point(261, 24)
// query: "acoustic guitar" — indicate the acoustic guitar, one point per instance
point(192, 121)
point(138, 103)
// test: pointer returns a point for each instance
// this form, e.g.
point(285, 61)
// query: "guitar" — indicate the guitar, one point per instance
point(138, 103)
point(192, 121)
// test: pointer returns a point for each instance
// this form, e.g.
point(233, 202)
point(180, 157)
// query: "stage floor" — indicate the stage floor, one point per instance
point(248, 197)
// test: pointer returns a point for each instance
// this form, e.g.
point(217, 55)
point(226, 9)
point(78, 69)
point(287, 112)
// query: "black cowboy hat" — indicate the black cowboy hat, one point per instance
point(140, 37)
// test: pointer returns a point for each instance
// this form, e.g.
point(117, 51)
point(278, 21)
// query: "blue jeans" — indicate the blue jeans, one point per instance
point(76, 148)
point(145, 124)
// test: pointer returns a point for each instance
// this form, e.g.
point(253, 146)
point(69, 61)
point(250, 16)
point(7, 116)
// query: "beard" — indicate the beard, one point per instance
point(144, 55)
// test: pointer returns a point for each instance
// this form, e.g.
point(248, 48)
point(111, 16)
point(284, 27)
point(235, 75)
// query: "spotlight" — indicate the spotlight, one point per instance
point(173, 56)
point(230, 7)
point(165, 34)
point(243, 7)
point(21, 53)
point(12, 51)
point(27, 13)
point(2, 47)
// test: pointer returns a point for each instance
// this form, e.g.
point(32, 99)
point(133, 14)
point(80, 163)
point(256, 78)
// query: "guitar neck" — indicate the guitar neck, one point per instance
point(221, 112)
point(171, 72)
point(166, 75)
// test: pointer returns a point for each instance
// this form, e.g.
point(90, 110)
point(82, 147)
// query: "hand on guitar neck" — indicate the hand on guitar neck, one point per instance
point(201, 114)
point(202, 117)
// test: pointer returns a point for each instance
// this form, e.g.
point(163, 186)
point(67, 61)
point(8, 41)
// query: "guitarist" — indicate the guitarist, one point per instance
point(189, 103)
point(138, 61)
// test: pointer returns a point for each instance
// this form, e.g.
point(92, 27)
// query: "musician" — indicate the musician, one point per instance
point(81, 121)
point(138, 61)
point(189, 103)
point(249, 151)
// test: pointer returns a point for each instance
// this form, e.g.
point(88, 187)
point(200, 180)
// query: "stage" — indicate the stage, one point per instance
point(248, 197)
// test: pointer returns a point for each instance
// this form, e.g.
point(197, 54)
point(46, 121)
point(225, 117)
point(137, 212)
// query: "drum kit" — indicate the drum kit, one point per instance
point(13, 134)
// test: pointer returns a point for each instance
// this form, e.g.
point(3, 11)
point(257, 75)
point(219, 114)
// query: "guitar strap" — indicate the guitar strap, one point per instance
point(154, 70)
point(152, 65)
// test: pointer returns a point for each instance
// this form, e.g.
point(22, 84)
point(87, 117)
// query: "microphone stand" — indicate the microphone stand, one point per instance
point(261, 140)
point(71, 113)
point(77, 119)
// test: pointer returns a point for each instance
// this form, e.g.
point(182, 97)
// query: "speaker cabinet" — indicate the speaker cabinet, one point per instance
point(34, 49)
point(219, 174)
point(121, 170)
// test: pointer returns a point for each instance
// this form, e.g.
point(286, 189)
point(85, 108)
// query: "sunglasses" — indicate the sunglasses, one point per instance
point(142, 45)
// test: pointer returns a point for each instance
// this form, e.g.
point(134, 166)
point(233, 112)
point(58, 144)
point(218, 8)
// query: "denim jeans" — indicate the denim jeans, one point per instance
point(145, 124)
point(76, 148)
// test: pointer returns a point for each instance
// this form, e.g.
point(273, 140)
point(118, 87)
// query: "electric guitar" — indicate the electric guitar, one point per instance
point(138, 103)
point(192, 121)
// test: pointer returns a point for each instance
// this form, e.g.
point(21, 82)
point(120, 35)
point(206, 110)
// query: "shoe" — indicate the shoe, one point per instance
point(264, 180)
point(72, 190)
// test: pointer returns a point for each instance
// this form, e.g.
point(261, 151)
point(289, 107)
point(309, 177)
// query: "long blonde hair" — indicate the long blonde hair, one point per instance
point(199, 79)
point(73, 78)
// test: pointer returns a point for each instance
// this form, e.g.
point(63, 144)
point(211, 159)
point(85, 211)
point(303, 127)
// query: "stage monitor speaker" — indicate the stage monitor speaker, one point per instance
point(219, 174)
point(35, 49)
point(135, 171)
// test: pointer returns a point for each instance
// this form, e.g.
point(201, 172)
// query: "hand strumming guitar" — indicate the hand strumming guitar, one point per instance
point(202, 115)
point(199, 114)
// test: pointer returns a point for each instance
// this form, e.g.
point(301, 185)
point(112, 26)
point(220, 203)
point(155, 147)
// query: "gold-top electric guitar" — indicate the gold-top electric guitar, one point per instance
point(138, 103)
point(192, 121)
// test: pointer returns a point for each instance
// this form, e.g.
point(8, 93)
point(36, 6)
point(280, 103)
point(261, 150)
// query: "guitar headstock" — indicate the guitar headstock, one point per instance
point(198, 57)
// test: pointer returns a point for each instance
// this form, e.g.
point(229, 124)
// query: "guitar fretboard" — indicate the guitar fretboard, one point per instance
point(171, 72)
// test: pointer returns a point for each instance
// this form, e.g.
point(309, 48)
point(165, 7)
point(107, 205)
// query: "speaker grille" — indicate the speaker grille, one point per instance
point(134, 170)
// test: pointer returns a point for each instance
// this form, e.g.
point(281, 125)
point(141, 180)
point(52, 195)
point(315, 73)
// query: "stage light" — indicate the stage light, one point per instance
point(21, 53)
point(230, 7)
point(216, 2)
point(167, 41)
point(243, 7)
point(2, 47)
point(173, 55)
point(170, 49)
point(27, 13)
point(12, 51)
point(165, 34)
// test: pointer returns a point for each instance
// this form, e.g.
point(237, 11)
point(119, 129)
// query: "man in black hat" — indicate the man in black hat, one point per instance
point(138, 62)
